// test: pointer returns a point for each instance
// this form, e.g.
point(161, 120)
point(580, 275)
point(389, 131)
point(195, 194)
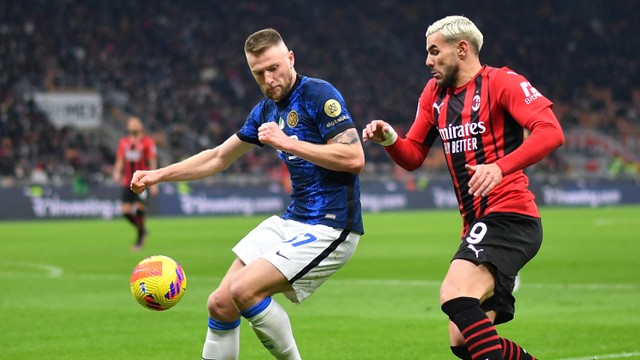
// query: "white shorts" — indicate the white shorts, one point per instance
point(305, 254)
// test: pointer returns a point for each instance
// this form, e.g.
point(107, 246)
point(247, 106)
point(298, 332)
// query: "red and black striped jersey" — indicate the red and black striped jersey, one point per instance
point(482, 122)
point(135, 155)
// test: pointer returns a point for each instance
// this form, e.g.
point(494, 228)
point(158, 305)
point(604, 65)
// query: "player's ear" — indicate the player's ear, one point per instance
point(292, 59)
point(462, 49)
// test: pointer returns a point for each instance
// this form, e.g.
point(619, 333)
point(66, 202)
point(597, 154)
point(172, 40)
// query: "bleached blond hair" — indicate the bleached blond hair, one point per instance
point(455, 28)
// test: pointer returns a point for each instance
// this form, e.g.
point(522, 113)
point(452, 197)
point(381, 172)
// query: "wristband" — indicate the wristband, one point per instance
point(390, 137)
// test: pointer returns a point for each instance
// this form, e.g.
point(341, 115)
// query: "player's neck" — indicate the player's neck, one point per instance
point(467, 73)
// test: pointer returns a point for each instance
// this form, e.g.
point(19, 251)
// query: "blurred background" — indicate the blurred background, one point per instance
point(72, 71)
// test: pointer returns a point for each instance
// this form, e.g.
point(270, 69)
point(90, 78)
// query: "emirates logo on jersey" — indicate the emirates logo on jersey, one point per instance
point(133, 155)
point(453, 132)
point(461, 138)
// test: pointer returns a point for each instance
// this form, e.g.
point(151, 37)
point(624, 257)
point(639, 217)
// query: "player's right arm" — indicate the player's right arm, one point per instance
point(198, 166)
point(409, 152)
point(117, 167)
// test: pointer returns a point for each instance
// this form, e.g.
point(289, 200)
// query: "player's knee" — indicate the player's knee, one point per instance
point(221, 307)
point(448, 292)
point(241, 294)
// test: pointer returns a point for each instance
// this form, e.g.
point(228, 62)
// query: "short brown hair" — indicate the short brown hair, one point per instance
point(261, 40)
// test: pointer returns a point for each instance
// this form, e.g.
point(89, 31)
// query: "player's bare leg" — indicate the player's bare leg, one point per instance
point(223, 334)
point(251, 289)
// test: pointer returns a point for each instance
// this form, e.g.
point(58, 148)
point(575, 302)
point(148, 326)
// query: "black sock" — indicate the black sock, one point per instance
point(511, 350)
point(139, 220)
point(131, 219)
point(477, 329)
point(461, 352)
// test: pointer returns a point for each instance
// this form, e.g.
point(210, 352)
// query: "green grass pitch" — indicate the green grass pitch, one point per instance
point(66, 289)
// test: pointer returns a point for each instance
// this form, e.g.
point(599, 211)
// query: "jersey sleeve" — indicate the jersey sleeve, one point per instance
point(121, 149)
point(150, 148)
point(409, 153)
point(329, 110)
point(519, 97)
point(533, 112)
point(423, 128)
point(249, 131)
point(546, 136)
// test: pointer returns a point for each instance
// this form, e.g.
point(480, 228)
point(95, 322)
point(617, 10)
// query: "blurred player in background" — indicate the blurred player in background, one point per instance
point(307, 122)
point(480, 113)
point(136, 151)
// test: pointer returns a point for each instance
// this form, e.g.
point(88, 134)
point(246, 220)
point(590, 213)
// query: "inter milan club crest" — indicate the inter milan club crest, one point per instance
point(292, 118)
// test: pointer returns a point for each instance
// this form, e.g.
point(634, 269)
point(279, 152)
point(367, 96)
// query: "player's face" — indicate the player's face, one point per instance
point(273, 71)
point(134, 127)
point(443, 60)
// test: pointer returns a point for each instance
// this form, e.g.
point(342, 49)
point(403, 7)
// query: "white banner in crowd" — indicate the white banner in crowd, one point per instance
point(82, 110)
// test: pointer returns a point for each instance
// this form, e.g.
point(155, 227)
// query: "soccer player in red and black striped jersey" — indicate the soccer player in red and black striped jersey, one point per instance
point(480, 113)
point(136, 151)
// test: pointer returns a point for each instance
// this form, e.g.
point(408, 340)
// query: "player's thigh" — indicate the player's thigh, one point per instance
point(126, 208)
point(141, 205)
point(466, 279)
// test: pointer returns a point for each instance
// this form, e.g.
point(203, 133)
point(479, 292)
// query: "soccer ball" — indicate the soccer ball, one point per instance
point(158, 282)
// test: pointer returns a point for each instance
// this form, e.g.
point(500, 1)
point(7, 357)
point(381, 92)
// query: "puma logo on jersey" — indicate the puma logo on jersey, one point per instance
point(437, 107)
point(477, 251)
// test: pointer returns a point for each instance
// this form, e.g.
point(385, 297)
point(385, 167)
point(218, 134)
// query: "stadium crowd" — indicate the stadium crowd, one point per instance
point(180, 67)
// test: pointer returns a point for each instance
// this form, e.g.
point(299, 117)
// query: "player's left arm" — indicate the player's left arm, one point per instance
point(545, 136)
point(343, 152)
point(119, 163)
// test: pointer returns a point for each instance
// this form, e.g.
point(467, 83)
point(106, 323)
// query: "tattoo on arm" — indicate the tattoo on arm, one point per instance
point(348, 137)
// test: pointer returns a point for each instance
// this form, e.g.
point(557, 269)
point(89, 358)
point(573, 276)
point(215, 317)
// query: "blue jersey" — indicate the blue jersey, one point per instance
point(314, 111)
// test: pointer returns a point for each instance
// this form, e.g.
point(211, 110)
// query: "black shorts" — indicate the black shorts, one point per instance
point(504, 242)
point(129, 197)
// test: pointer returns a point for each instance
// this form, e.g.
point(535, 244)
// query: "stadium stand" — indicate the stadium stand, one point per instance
point(181, 67)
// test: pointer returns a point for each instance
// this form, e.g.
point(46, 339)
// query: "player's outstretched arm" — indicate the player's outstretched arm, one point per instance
point(379, 132)
point(198, 166)
point(408, 154)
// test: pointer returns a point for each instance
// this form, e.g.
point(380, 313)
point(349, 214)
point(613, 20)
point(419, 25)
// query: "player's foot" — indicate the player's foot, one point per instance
point(140, 241)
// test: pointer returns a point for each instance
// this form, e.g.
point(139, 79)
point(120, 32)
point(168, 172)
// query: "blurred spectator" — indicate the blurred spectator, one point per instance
point(178, 65)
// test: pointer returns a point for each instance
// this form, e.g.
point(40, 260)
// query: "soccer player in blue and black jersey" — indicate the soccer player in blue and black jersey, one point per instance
point(306, 120)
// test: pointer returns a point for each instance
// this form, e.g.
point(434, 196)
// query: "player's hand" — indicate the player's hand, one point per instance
point(270, 134)
point(379, 132)
point(484, 178)
point(142, 180)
